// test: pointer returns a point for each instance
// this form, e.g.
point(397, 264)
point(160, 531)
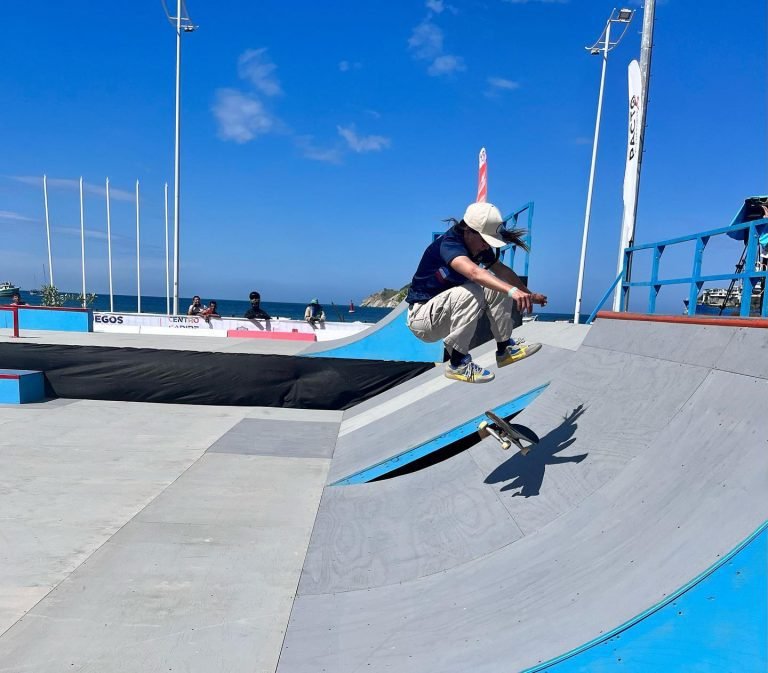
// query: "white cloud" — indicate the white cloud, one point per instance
point(426, 44)
point(15, 217)
point(501, 83)
point(582, 140)
point(362, 144)
point(311, 151)
point(72, 184)
point(346, 66)
point(89, 233)
point(439, 6)
point(543, 2)
point(241, 117)
point(446, 64)
point(255, 66)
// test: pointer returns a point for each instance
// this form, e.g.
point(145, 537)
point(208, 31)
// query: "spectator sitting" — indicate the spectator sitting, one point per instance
point(210, 311)
point(314, 313)
point(16, 300)
point(256, 312)
point(195, 308)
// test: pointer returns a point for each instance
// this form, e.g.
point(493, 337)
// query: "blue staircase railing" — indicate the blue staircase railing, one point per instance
point(746, 231)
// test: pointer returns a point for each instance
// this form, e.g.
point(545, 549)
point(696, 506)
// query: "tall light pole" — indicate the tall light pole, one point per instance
point(183, 24)
point(630, 216)
point(603, 45)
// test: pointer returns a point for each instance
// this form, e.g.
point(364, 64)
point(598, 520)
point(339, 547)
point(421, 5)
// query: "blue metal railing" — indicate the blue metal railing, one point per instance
point(515, 216)
point(748, 277)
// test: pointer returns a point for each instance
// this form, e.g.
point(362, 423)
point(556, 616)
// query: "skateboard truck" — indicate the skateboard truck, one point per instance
point(507, 434)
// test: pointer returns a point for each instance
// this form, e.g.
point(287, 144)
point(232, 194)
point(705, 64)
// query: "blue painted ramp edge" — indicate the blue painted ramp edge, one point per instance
point(717, 622)
point(437, 443)
point(393, 341)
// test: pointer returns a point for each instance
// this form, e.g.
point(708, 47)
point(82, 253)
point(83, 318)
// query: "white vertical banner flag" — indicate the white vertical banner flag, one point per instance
point(633, 142)
point(631, 175)
point(482, 177)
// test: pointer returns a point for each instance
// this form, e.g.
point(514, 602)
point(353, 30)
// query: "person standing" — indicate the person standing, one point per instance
point(196, 307)
point(255, 312)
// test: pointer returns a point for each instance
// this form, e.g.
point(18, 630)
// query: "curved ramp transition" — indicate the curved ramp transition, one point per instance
point(653, 465)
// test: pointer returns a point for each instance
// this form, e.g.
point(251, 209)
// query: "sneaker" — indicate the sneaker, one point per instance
point(517, 352)
point(468, 372)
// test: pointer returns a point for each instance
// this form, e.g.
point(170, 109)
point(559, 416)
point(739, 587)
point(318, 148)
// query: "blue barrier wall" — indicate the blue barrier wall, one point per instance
point(53, 319)
point(718, 622)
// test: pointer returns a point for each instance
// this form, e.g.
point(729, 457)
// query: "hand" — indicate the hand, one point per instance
point(537, 298)
point(522, 299)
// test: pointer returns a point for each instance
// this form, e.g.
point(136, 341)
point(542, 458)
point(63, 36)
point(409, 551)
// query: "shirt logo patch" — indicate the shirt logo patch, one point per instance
point(441, 274)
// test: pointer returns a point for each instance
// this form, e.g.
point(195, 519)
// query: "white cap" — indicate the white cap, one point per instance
point(486, 220)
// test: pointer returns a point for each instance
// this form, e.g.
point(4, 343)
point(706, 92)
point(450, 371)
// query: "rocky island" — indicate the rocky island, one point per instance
point(386, 298)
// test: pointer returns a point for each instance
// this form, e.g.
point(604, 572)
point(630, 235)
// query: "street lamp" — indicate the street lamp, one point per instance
point(603, 45)
point(182, 23)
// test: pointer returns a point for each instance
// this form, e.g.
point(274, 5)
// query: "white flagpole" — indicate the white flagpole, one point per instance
point(167, 271)
point(82, 239)
point(177, 164)
point(138, 256)
point(646, 49)
point(109, 253)
point(47, 228)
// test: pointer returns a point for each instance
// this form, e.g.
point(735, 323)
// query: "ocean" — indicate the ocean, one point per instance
point(236, 308)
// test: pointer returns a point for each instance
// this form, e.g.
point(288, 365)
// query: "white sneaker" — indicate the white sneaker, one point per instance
point(468, 372)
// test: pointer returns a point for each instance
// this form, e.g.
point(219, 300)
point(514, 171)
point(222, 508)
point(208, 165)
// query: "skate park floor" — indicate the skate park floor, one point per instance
point(178, 537)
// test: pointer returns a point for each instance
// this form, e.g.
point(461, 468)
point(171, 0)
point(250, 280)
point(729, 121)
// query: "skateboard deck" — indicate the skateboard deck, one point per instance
point(507, 434)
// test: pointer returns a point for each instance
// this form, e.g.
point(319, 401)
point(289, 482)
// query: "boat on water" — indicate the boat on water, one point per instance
point(8, 289)
point(351, 307)
point(724, 301)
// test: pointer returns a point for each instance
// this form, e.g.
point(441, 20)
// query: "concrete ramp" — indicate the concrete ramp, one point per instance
point(653, 466)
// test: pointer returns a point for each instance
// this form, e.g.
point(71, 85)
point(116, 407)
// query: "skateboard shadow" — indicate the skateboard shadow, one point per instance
point(526, 473)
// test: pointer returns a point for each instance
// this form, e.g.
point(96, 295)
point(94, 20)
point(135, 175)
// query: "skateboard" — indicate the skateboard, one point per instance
point(507, 434)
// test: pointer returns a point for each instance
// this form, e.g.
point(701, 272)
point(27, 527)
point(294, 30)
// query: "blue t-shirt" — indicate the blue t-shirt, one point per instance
point(435, 275)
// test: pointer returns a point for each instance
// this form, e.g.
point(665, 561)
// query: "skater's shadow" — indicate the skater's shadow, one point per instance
point(526, 473)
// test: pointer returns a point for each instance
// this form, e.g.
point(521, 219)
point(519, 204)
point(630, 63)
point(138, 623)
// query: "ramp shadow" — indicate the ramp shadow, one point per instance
point(526, 473)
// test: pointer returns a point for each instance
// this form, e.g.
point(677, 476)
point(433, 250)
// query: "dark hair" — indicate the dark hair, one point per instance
point(212, 302)
point(512, 236)
point(197, 296)
point(254, 295)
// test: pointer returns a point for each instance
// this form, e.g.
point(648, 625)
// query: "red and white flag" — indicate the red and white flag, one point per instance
point(482, 178)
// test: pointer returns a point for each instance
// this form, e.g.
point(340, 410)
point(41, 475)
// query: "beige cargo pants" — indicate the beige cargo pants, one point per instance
point(453, 315)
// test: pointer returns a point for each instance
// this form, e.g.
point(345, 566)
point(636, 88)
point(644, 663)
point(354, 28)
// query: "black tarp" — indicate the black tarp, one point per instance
point(192, 377)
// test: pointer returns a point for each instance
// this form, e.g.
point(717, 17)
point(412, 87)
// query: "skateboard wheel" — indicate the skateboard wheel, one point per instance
point(483, 425)
point(505, 445)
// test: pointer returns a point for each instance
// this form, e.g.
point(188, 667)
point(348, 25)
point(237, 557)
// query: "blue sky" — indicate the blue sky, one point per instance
point(322, 143)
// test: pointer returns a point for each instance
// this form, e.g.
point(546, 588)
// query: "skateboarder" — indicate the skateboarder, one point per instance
point(458, 279)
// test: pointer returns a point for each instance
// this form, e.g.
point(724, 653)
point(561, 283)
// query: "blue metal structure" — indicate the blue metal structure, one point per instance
point(748, 231)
